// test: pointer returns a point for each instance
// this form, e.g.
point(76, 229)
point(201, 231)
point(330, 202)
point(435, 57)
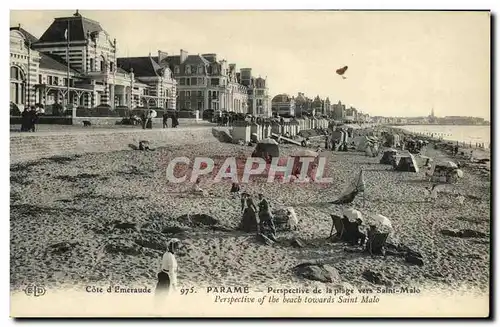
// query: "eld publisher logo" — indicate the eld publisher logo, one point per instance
point(34, 290)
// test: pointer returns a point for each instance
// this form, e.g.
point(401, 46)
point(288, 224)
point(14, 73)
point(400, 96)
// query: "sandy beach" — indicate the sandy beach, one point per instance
point(72, 202)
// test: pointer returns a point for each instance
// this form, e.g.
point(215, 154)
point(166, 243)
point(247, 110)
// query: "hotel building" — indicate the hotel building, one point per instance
point(39, 69)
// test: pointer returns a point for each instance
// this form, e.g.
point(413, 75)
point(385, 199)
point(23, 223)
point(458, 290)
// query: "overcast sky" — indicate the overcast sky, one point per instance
point(400, 63)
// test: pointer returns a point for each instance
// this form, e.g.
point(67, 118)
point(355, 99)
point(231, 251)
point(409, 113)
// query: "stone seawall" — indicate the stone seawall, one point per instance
point(32, 146)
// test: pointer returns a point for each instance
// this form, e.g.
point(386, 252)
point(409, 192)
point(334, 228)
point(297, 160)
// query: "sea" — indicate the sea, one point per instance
point(470, 134)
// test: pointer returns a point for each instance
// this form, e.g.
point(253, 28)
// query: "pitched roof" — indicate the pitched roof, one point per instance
point(78, 28)
point(143, 66)
point(29, 37)
point(54, 63)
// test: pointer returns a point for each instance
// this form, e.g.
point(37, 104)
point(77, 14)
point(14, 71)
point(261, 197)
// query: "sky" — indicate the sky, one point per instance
point(399, 63)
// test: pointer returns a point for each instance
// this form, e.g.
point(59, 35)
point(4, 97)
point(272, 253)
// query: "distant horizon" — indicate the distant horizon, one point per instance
point(401, 64)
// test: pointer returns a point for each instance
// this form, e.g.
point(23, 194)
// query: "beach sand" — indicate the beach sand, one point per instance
point(73, 199)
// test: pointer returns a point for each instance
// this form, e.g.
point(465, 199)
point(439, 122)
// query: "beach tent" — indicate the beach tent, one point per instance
point(446, 172)
point(266, 147)
point(356, 186)
point(407, 163)
point(388, 156)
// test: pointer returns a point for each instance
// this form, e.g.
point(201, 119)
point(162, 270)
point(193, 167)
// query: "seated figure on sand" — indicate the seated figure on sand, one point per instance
point(197, 189)
point(286, 218)
point(235, 190)
point(376, 241)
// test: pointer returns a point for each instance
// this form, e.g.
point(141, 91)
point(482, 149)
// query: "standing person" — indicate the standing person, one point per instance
point(36, 113)
point(265, 215)
point(175, 120)
point(149, 118)
point(167, 277)
point(249, 220)
point(143, 120)
point(165, 120)
point(25, 120)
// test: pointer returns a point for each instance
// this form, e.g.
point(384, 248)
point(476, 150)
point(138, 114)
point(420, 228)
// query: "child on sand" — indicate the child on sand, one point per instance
point(235, 190)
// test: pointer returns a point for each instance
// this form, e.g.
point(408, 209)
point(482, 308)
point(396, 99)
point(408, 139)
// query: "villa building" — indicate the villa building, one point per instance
point(259, 103)
point(283, 104)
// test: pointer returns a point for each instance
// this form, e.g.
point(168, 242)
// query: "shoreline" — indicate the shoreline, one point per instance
point(463, 144)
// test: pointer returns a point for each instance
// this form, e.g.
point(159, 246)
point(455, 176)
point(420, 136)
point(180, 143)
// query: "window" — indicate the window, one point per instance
point(200, 94)
point(177, 70)
point(188, 94)
point(200, 105)
point(188, 104)
point(65, 81)
point(40, 79)
point(182, 81)
point(102, 65)
point(111, 67)
point(181, 94)
point(92, 67)
point(188, 81)
point(214, 81)
point(200, 69)
point(56, 80)
point(188, 69)
point(210, 69)
point(193, 81)
point(201, 81)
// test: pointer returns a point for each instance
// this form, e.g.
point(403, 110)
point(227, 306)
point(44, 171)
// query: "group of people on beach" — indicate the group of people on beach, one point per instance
point(147, 119)
point(260, 218)
point(30, 117)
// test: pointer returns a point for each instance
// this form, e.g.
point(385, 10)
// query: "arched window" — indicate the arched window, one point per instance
point(17, 85)
point(16, 74)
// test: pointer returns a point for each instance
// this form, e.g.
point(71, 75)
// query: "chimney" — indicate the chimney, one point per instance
point(184, 55)
point(162, 56)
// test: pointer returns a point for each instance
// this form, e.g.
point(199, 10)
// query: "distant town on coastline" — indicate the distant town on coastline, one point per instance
point(74, 71)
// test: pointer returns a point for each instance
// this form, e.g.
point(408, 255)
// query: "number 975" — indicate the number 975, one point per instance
point(186, 291)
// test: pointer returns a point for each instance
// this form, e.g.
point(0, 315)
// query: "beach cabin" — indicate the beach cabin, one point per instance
point(256, 129)
point(302, 124)
point(266, 130)
point(295, 127)
point(275, 127)
point(241, 131)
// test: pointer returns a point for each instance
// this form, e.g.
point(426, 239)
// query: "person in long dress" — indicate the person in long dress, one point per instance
point(249, 219)
point(167, 277)
point(265, 216)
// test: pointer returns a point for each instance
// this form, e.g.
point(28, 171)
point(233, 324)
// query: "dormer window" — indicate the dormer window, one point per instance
point(200, 69)
point(177, 69)
point(188, 69)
